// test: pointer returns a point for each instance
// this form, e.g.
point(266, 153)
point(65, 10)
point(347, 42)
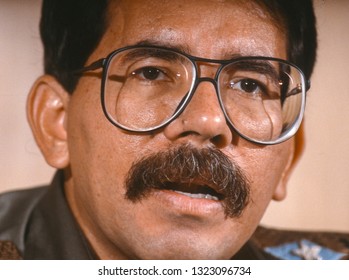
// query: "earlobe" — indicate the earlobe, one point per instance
point(295, 154)
point(47, 106)
point(281, 189)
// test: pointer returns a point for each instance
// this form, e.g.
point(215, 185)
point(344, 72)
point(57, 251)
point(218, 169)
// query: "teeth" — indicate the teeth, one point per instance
point(198, 195)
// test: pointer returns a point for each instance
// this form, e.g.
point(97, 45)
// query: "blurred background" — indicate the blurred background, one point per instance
point(318, 193)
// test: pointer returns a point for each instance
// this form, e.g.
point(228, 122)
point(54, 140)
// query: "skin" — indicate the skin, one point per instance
point(73, 134)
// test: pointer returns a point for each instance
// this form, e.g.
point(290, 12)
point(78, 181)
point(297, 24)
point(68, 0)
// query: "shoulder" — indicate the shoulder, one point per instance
point(15, 211)
point(18, 202)
point(289, 244)
point(23, 194)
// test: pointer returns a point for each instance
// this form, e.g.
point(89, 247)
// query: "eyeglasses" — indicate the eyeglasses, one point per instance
point(145, 88)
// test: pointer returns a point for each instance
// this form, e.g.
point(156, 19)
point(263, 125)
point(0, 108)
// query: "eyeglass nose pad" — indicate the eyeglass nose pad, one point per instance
point(197, 83)
point(213, 81)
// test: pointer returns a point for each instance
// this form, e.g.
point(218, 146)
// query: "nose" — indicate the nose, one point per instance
point(203, 121)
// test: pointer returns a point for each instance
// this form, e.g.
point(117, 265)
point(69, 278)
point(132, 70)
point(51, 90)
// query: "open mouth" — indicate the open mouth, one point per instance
point(194, 190)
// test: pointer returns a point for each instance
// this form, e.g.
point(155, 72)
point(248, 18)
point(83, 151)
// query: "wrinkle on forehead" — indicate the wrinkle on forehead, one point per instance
point(174, 22)
point(254, 7)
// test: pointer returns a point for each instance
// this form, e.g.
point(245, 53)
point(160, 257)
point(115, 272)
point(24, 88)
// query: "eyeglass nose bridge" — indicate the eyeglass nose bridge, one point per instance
point(205, 79)
point(214, 82)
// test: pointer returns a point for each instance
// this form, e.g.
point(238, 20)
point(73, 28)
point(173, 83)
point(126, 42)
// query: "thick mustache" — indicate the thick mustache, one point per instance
point(187, 165)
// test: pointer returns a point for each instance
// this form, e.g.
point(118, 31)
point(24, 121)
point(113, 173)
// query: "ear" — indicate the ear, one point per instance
point(295, 154)
point(47, 106)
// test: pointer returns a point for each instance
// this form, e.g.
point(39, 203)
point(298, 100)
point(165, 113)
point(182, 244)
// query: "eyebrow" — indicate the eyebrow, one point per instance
point(149, 52)
point(182, 48)
point(259, 66)
point(145, 51)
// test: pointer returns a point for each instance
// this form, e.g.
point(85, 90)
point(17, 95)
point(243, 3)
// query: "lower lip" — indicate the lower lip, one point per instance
point(186, 205)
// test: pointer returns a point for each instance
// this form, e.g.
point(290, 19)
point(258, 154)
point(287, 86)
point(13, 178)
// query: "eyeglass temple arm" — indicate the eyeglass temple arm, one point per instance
point(95, 65)
point(297, 90)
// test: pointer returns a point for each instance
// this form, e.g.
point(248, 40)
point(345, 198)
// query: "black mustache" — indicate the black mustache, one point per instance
point(185, 165)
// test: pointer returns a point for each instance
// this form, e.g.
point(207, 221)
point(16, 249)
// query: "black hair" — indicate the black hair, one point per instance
point(298, 20)
point(71, 30)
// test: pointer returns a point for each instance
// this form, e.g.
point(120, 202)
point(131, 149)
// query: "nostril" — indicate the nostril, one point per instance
point(215, 133)
point(219, 141)
point(188, 133)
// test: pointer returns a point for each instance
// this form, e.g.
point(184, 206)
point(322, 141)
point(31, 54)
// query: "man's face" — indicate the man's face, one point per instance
point(165, 223)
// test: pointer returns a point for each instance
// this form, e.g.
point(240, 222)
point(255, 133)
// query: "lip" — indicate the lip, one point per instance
point(184, 205)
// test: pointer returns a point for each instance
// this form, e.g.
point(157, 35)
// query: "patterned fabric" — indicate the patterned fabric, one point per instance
point(9, 251)
point(297, 245)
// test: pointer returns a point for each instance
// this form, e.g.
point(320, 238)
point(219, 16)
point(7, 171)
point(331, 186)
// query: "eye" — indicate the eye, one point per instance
point(247, 85)
point(149, 73)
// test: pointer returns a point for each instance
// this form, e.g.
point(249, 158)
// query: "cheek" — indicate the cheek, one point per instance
point(100, 153)
point(264, 168)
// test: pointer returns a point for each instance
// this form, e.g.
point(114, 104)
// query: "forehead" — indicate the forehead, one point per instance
point(207, 28)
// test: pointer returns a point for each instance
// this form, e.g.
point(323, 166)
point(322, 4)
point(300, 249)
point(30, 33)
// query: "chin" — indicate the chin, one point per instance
point(187, 249)
point(189, 254)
